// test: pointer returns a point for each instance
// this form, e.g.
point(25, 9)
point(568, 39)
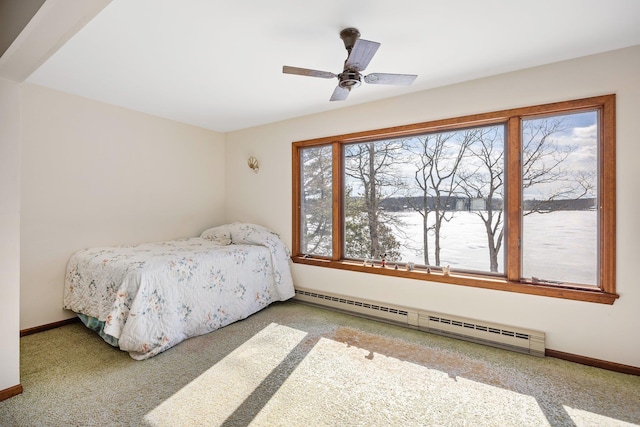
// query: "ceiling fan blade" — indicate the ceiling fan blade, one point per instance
point(390, 79)
point(307, 72)
point(339, 94)
point(361, 54)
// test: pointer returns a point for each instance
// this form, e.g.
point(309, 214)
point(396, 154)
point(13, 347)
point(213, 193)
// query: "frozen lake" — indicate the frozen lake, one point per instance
point(560, 245)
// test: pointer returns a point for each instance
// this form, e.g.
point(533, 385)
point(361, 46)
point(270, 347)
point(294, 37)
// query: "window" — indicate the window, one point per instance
point(559, 191)
point(521, 200)
point(316, 202)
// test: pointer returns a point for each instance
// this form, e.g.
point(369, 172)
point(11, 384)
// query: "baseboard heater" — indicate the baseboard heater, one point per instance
point(501, 336)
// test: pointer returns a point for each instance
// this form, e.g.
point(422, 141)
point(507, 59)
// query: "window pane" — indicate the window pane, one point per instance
point(316, 201)
point(371, 180)
point(434, 199)
point(559, 188)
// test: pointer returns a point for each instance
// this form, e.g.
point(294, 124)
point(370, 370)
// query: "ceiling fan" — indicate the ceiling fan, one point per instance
point(360, 53)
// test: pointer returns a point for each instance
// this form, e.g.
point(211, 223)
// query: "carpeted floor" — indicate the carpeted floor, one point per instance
point(296, 365)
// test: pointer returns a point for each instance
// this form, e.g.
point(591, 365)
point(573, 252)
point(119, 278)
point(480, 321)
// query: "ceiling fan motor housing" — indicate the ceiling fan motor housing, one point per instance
point(349, 79)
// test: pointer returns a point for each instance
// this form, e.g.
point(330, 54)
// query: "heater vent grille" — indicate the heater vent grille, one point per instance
point(507, 337)
point(480, 328)
point(344, 303)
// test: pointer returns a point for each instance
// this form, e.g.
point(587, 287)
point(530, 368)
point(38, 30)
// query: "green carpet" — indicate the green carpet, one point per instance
point(296, 365)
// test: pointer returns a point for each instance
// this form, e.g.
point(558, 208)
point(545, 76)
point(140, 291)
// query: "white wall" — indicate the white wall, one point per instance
point(594, 330)
point(95, 175)
point(9, 234)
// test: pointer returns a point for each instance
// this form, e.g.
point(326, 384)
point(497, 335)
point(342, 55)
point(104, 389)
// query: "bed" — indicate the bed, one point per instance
point(147, 298)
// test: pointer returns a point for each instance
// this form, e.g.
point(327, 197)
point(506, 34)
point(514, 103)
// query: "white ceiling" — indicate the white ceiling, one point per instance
point(218, 64)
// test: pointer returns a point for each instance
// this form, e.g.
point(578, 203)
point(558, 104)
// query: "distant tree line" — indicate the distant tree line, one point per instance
point(455, 203)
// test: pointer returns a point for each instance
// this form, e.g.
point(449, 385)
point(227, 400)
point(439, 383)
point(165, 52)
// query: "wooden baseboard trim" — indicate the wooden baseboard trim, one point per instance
point(48, 326)
point(10, 392)
point(597, 363)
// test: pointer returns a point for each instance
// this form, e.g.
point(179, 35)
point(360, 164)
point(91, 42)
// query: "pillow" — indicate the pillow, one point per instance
point(252, 234)
point(220, 235)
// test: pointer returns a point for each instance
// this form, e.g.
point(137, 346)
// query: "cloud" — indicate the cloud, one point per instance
point(587, 134)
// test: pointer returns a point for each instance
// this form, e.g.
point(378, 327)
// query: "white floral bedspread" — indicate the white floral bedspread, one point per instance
point(153, 296)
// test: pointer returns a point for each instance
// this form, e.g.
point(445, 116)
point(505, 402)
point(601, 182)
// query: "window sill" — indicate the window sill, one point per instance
point(476, 281)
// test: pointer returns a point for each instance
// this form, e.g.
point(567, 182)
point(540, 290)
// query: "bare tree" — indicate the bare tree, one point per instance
point(542, 164)
point(438, 157)
point(372, 167)
point(541, 158)
point(485, 181)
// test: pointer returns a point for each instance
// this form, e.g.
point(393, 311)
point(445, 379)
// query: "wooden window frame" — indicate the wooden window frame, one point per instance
point(511, 281)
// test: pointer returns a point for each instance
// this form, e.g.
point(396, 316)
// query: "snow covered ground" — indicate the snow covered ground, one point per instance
point(560, 245)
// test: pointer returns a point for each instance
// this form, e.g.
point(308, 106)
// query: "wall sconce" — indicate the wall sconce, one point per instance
point(253, 164)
